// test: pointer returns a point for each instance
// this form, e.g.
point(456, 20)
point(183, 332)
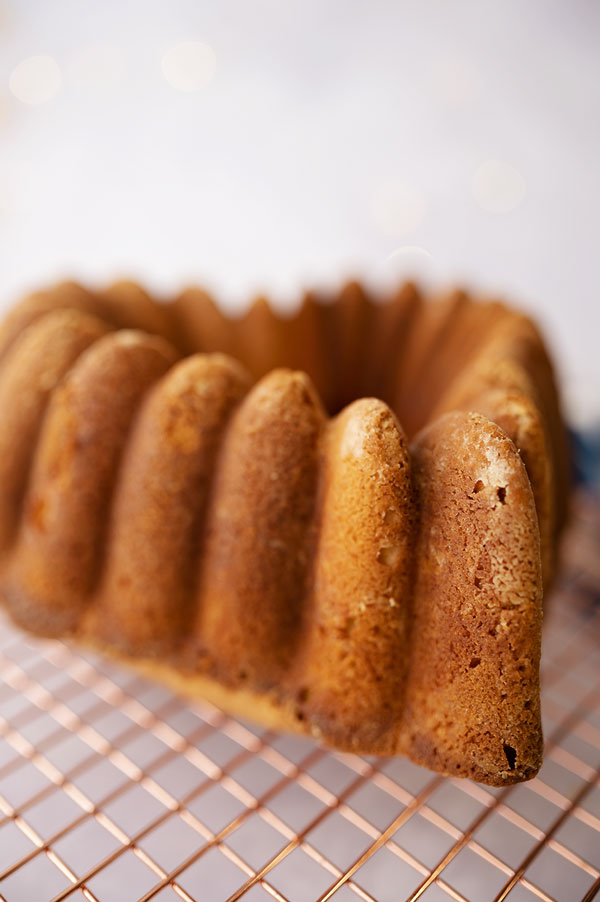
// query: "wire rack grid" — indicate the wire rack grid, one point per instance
point(113, 789)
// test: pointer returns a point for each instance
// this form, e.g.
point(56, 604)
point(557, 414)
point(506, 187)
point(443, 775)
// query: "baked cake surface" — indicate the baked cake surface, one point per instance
point(338, 523)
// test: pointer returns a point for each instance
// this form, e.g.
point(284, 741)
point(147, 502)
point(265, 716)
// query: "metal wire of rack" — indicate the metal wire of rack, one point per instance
point(112, 788)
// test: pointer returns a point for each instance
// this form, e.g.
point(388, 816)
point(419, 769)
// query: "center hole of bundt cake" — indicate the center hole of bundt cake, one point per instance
point(403, 350)
point(400, 347)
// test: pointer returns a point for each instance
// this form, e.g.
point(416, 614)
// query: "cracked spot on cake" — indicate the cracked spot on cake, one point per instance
point(389, 555)
point(392, 517)
point(349, 625)
point(511, 756)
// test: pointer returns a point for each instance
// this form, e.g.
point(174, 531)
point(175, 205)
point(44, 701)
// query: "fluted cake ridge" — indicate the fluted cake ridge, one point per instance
point(338, 522)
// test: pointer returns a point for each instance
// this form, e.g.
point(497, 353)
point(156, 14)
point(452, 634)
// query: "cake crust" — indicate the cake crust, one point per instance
point(213, 502)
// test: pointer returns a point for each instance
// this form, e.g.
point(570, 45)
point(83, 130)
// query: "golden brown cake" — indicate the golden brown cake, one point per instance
point(338, 523)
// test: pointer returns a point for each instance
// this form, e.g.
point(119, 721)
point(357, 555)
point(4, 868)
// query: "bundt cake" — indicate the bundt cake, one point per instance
point(337, 523)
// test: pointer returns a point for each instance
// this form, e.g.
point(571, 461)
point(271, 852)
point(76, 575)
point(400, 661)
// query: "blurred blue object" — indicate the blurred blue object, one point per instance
point(586, 456)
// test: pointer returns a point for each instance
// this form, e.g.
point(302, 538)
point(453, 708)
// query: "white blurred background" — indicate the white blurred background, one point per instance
point(271, 146)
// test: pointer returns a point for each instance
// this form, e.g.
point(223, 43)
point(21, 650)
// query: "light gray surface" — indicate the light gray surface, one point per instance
point(452, 140)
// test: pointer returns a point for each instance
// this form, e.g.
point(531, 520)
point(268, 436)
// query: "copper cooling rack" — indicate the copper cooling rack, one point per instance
point(112, 788)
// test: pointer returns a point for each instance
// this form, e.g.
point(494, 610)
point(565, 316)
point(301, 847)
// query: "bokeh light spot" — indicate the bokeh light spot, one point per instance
point(189, 66)
point(409, 252)
point(398, 208)
point(455, 82)
point(35, 80)
point(498, 187)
